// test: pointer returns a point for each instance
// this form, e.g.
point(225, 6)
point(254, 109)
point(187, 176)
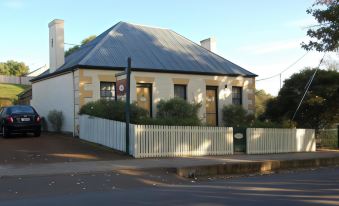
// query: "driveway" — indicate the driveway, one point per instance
point(52, 148)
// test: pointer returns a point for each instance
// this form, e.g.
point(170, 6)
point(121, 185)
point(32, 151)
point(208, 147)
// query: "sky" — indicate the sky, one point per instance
point(262, 36)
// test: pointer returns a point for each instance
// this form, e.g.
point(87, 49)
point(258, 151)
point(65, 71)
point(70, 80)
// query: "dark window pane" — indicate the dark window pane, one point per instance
point(180, 91)
point(107, 90)
point(237, 95)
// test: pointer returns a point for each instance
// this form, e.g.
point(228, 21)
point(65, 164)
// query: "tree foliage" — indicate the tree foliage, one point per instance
point(325, 35)
point(13, 68)
point(76, 47)
point(261, 99)
point(320, 106)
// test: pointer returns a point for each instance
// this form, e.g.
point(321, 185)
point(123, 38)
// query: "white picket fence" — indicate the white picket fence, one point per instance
point(158, 141)
point(174, 141)
point(15, 80)
point(102, 131)
point(268, 140)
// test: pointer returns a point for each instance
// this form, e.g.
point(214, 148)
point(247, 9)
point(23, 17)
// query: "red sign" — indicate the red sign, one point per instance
point(121, 87)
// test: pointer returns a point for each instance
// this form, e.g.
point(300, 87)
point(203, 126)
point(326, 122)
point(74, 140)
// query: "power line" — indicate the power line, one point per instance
point(287, 68)
point(308, 86)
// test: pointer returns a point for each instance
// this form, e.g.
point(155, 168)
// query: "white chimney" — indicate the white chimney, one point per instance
point(56, 44)
point(209, 44)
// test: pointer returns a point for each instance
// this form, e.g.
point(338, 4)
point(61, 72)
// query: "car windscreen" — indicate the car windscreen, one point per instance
point(21, 110)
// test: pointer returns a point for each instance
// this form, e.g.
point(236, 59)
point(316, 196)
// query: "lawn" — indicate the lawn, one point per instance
point(9, 92)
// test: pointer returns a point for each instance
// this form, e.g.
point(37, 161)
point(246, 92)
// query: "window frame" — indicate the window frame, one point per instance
point(113, 89)
point(240, 95)
point(185, 90)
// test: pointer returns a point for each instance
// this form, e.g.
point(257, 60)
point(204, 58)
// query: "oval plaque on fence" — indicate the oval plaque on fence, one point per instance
point(238, 136)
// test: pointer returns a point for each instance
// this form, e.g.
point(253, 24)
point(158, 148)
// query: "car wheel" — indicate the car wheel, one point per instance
point(5, 133)
point(37, 133)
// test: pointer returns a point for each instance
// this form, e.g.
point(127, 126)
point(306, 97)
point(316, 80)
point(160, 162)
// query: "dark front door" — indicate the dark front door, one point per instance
point(239, 139)
point(212, 106)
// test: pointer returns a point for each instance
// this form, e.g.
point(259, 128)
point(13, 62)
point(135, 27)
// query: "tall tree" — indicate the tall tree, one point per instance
point(76, 47)
point(320, 106)
point(325, 35)
point(13, 68)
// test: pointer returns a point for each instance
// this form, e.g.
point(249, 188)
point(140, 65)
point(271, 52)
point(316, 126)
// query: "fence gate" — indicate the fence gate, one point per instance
point(239, 139)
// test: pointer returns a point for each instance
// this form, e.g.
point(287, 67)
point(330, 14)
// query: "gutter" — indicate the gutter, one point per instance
point(73, 68)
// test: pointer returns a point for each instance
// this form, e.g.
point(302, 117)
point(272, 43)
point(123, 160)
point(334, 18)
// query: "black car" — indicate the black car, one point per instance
point(19, 119)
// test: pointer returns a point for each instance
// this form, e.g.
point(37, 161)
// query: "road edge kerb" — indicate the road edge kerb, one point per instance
point(254, 167)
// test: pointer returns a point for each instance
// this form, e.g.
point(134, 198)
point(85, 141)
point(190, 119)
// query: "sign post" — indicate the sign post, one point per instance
point(128, 100)
point(123, 88)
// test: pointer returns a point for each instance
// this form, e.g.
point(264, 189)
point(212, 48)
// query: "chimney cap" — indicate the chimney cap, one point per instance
point(55, 21)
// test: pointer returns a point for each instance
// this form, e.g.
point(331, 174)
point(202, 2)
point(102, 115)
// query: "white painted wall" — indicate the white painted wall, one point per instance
point(55, 93)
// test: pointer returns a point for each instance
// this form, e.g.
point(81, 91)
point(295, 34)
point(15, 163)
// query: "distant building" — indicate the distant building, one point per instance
point(37, 72)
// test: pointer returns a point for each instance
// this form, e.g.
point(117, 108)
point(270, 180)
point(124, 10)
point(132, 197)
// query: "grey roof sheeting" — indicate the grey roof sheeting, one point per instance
point(151, 49)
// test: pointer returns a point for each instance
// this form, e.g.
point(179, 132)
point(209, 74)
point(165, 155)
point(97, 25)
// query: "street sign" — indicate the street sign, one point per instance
point(121, 87)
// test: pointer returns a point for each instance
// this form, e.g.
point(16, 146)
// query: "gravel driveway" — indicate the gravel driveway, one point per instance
point(51, 148)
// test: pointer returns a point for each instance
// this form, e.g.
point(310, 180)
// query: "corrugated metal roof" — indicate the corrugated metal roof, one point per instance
point(151, 49)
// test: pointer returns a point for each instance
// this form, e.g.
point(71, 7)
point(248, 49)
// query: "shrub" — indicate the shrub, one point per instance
point(172, 112)
point(236, 116)
point(114, 110)
point(44, 125)
point(177, 111)
point(264, 124)
point(56, 119)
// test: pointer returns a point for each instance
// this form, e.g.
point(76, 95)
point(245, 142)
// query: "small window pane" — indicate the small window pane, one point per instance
point(107, 90)
point(180, 91)
point(237, 95)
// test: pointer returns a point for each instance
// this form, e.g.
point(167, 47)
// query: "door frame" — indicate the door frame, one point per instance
point(150, 87)
point(215, 88)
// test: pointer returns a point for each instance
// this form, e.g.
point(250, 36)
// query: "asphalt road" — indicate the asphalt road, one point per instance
point(302, 187)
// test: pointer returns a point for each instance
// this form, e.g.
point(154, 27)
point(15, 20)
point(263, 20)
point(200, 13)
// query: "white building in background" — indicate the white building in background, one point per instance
point(38, 71)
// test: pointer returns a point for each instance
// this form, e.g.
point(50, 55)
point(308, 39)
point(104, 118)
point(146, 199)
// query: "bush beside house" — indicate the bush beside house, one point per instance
point(56, 119)
point(237, 116)
point(177, 111)
point(114, 110)
point(171, 112)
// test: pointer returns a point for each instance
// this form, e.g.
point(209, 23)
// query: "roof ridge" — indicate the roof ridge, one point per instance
point(144, 25)
point(113, 29)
